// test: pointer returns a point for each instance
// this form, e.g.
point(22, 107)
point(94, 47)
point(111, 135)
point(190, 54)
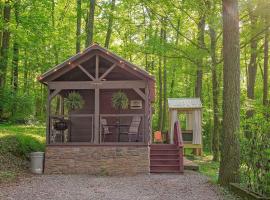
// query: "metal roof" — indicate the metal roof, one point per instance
point(184, 103)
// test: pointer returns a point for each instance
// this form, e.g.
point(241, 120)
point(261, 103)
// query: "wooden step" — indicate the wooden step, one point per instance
point(164, 151)
point(165, 171)
point(164, 156)
point(164, 161)
point(164, 167)
point(163, 146)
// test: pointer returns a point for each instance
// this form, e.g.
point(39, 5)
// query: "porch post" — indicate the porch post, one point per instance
point(147, 130)
point(96, 127)
point(48, 110)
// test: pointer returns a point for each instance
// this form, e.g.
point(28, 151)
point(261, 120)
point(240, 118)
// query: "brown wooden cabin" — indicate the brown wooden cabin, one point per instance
point(85, 144)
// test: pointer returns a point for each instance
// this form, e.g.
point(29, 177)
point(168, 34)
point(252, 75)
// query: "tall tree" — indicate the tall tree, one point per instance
point(160, 110)
point(4, 50)
point(164, 82)
point(110, 23)
point(252, 66)
point(174, 65)
point(230, 153)
point(90, 24)
point(79, 22)
point(201, 44)
point(15, 59)
point(215, 95)
point(266, 61)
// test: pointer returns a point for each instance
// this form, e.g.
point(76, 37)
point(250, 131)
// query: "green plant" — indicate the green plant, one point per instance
point(120, 100)
point(74, 101)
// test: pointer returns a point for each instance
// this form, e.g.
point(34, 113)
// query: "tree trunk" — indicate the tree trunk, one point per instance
point(199, 73)
point(160, 113)
point(109, 30)
point(174, 65)
point(90, 24)
point(252, 66)
point(215, 92)
point(265, 64)
point(79, 22)
point(230, 153)
point(25, 74)
point(164, 83)
point(15, 59)
point(4, 50)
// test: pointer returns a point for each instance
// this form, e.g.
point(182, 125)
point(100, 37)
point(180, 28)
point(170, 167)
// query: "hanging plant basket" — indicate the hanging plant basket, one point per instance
point(120, 100)
point(74, 101)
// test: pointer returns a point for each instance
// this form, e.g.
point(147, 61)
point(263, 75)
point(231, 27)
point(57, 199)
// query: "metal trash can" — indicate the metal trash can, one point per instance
point(37, 160)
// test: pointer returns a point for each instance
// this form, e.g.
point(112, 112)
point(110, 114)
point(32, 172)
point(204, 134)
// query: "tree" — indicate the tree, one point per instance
point(230, 154)
point(215, 92)
point(90, 24)
point(4, 50)
point(201, 44)
point(79, 22)
point(110, 22)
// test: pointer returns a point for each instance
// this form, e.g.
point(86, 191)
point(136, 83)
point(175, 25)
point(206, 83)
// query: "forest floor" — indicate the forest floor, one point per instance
point(17, 141)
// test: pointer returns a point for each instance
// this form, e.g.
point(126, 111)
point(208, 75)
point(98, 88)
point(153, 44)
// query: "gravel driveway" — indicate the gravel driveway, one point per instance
point(190, 186)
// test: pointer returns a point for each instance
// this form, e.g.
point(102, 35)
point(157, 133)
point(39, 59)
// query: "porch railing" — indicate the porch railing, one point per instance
point(178, 141)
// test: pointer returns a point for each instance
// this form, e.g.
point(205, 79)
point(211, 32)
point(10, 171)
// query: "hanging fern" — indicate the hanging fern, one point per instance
point(74, 101)
point(120, 100)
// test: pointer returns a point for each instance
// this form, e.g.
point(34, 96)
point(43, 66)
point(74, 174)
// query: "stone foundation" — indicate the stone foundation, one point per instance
point(97, 159)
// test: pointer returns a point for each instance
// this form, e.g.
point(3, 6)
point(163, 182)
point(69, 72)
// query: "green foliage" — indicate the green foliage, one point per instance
point(255, 152)
point(74, 101)
point(120, 100)
point(16, 142)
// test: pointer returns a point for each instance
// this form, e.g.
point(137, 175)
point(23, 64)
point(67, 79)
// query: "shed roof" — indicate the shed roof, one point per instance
point(184, 103)
point(89, 50)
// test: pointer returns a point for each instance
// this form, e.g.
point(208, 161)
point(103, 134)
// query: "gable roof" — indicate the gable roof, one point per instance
point(88, 50)
point(184, 103)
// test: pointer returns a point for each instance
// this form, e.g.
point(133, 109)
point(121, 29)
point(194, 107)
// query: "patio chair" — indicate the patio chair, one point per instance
point(134, 127)
point(105, 127)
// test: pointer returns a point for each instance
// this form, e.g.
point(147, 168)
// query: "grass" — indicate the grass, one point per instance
point(16, 142)
point(206, 165)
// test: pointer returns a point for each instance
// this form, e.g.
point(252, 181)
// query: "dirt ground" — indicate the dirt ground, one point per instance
point(189, 186)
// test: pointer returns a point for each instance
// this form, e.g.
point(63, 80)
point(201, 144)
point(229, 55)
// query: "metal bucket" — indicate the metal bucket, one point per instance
point(37, 160)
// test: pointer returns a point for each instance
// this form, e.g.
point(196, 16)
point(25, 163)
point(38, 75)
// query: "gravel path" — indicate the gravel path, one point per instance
point(190, 186)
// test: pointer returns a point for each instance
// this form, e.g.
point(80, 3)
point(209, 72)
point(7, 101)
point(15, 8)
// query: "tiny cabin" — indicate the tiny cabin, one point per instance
point(98, 115)
point(190, 109)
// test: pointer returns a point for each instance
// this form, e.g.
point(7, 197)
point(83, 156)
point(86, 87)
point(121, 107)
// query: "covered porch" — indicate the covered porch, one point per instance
point(94, 77)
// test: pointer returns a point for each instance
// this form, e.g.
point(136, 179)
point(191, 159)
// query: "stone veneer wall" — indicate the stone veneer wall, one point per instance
point(97, 160)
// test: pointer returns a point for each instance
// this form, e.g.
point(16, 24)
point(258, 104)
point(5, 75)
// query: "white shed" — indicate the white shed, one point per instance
point(192, 109)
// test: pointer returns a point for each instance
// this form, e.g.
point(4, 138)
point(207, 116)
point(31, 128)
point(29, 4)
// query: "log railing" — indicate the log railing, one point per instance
point(178, 141)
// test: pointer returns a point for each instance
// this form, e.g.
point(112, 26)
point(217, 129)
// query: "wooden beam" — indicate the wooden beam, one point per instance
point(48, 111)
point(86, 72)
point(73, 85)
point(126, 67)
point(57, 72)
point(96, 123)
point(108, 71)
point(55, 92)
point(97, 66)
point(139, 92)
point(147, 129)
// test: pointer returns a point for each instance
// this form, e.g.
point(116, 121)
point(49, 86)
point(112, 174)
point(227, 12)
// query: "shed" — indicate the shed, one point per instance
point(191, 108)
point(85, 139)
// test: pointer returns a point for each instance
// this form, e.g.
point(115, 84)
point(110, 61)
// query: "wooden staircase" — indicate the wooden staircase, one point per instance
point(164, 158)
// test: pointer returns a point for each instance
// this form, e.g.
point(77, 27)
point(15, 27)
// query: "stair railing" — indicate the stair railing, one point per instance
point(178, 141)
